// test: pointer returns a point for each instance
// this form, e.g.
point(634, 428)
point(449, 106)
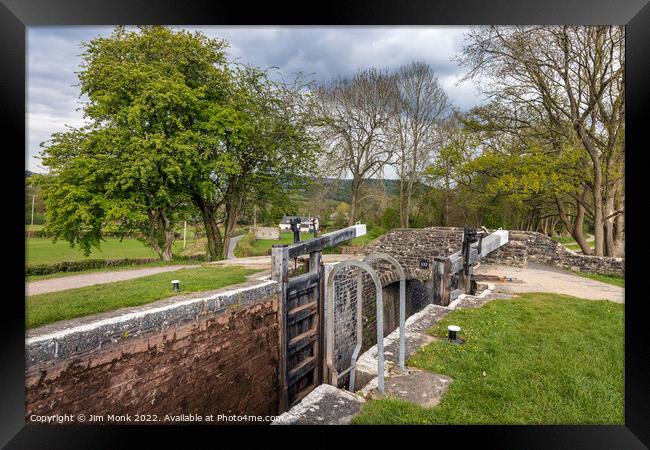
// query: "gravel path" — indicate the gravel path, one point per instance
point(231, 246)
point(541, 278)
point(90, 279)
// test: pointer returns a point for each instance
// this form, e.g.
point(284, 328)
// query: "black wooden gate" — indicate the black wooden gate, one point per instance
point(302, 313)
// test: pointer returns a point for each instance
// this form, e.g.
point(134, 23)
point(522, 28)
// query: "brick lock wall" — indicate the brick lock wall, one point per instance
point(219, 363)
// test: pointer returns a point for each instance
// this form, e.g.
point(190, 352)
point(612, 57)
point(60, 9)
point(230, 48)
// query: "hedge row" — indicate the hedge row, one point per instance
point(86, 264)
point(177, 234)
point(45, 234)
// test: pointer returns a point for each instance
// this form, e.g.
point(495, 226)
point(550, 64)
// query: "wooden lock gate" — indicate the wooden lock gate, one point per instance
point(301, 313)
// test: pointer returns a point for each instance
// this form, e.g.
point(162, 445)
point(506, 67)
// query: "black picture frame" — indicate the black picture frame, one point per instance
point(16, 15)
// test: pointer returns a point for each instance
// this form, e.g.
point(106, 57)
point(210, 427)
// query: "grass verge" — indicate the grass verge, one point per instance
point(614, 279)
point(537, 359)
point(47, 308)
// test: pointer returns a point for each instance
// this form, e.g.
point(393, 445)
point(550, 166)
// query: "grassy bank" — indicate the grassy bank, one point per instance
point(537, 359)
point(616, 280)
point(47, 308)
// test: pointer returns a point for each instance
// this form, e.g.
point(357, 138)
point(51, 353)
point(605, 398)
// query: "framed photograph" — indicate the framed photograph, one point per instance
point(260, 218)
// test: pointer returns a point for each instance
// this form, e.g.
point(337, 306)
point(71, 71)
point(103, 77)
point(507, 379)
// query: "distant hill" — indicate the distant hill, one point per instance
point(342, 192)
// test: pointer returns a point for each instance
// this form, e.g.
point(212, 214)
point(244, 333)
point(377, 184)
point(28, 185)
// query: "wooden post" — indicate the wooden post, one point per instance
point(441, 281)
point(465, 280)
point(316, 267)
point(33, 199)
point(280, 273)
point(326, 376)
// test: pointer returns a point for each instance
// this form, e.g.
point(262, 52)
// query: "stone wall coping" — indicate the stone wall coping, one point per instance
point(68, 338)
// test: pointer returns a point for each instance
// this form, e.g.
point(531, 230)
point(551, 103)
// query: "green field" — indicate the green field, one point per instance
point(43, 251)
point(247, 247)
point(537, 359)
point(47, 308)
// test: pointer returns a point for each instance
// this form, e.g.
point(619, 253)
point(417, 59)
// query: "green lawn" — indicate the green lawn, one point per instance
point(44, 251)
point(616, 280)
point(34, 227)
point(570, 243)
point(246, 246)
point(564, 239)
point(537, 359)
point(372, 233)
point(47, 308)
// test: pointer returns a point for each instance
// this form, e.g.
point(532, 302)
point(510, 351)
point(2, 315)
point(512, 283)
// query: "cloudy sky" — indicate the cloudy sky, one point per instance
point(323, 52)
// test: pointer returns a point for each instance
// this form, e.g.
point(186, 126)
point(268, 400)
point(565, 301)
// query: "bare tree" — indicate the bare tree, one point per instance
point(573, 78)
point(420, 103)
point(354, 115)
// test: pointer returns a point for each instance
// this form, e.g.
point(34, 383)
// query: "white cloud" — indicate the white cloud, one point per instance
point(324, 52)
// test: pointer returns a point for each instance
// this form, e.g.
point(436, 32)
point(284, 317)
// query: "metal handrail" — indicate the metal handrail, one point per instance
point(402, 300)
point(380, 323)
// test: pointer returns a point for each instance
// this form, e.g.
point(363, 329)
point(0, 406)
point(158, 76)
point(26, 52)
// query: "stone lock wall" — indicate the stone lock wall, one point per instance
point(408, 246)
point(527, 246)
point(211, 354)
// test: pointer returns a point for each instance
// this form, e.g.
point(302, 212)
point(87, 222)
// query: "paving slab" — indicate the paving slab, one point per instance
point(415, 338)
point(325, 405)
point(542, 278)
point(417, 386)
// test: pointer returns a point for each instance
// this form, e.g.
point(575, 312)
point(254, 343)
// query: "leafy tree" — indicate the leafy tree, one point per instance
point(390, 218)
point(173, 126)
point(255, 149)
point(563, 85)
point(147, 90)
point(342, 214)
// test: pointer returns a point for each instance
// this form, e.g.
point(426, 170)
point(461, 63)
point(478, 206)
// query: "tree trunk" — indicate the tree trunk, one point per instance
point(619, 227)
point(609, 226)
point(161, 234)
point(169, 242)
point(232, 213)
point(214, 247)
point(575, 228)
point(599, 223)
point(402, 221)
point(215, 244)
point(354, 191)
